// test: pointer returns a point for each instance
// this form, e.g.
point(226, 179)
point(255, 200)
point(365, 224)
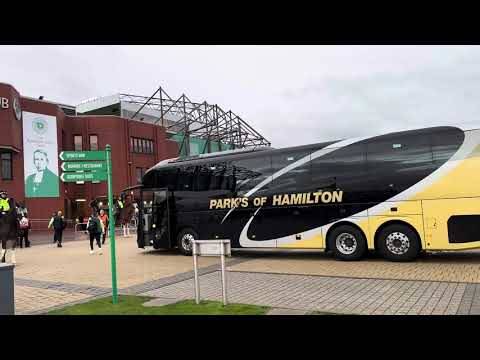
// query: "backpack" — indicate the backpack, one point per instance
point(24, 223)
point(93, 225)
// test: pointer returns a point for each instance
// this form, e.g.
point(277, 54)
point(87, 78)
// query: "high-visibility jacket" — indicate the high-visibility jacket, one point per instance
point(4, 205)
point(120, 204)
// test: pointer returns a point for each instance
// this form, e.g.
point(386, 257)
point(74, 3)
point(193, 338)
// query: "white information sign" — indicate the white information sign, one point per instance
point(220, 248)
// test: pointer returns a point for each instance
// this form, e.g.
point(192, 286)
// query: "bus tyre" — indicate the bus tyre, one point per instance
point(184, 240)
point(398, 243)
point(347, 243)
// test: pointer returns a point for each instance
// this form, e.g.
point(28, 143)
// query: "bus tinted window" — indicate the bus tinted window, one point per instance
point(220, 176)
point(250, 172)
point(394, 161)
point(445, 143)
point(203, 178)
point(294, 180)
point(186, 178)
point(343, 169)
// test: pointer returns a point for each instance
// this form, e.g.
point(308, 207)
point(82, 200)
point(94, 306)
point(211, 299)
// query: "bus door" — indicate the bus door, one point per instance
point(155, 219)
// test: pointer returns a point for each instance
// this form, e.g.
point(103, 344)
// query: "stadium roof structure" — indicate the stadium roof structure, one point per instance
point(183, 117)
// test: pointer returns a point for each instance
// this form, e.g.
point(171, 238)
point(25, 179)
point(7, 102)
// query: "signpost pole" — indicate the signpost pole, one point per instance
point(224, 283)
point(112, 224)
point(195, 270)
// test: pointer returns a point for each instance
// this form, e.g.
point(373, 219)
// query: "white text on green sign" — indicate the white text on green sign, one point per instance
point(86, 176)
point(84, 165)
point(82, 155)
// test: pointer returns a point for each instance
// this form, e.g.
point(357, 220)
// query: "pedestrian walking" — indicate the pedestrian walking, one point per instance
point(104, 219)
point(23, 231)
point(95, 230)
point(58, 223)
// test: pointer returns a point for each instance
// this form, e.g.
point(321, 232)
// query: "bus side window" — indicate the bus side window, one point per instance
point(250, 172)
point(445, 143)
point(395, 162)
point(294, 180)
point(219, 174)
point(203, 177)
point(186, 178)
point(342, 169)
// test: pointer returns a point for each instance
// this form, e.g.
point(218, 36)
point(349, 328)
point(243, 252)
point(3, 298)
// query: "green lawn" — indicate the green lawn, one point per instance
point(132, 305)
point(322, 313)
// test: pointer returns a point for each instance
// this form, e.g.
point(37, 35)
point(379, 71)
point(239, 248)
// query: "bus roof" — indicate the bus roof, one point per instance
point(198, 158)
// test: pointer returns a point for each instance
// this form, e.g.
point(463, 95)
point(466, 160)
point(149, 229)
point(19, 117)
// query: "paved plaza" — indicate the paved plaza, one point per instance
point(293, 282)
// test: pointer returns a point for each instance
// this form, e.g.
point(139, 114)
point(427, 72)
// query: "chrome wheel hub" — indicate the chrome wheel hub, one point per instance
point(346, 243)
point(398, 243)
point(187, 241)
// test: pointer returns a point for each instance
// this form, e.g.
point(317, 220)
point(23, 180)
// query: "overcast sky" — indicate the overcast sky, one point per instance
point(292, 95)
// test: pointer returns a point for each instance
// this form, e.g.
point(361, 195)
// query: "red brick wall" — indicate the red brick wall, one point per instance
point(111, 130)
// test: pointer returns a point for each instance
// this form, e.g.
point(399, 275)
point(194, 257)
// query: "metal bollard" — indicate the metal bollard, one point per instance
point(7, 300)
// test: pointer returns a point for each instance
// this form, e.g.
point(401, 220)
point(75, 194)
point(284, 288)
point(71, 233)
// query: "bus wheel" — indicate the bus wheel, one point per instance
point(184, 240)
point(398, 242)
point(347, 243)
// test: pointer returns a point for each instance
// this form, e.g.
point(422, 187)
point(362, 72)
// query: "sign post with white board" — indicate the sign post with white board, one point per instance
point(220, 248)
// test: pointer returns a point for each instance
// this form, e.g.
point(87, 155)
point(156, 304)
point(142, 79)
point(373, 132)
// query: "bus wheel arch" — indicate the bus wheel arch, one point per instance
point(399, 231)
point(347, 241)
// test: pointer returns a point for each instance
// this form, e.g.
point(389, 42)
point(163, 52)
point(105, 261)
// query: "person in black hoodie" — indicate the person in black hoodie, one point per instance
point(59, 225)
point(95, 230)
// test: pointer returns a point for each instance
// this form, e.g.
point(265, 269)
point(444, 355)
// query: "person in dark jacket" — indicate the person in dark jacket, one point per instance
point(58, 224)
point(95, 230)
point(24, 227)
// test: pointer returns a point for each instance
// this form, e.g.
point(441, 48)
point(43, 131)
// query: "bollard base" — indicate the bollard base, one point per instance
point(7, 299)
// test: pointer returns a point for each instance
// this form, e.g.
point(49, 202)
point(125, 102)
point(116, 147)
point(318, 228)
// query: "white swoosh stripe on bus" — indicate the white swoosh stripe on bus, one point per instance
point(244, 240)
point(302, 161)
point(472, 139)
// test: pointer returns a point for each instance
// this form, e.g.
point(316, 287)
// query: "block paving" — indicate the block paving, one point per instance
point(291, 283)
point(332, 294)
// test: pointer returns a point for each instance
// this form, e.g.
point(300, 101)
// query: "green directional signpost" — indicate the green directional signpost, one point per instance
point(85, 176)
point(94, 166)
point(82, 155)
point(84, 166)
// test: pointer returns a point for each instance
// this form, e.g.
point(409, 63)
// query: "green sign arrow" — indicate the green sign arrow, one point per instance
point(84, 165)
point(82, 155)
point(85, 176)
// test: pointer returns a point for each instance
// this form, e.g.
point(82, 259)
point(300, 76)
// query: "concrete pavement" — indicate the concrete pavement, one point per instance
point(47, 277)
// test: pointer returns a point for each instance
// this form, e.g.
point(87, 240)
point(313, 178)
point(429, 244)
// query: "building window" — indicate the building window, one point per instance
point(139, 173)
point(93, 142)
point(142, 146)
point(77, 142)
point(7, 173)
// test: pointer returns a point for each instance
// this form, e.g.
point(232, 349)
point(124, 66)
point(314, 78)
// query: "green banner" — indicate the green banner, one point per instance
point(86, 176)
point(84, 165)
point(82, 155)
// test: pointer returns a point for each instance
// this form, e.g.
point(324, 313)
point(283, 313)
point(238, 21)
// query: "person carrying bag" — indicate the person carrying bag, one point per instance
point(95, 230)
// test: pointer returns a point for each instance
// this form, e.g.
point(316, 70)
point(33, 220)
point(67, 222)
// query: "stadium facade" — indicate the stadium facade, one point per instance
point(141, 130)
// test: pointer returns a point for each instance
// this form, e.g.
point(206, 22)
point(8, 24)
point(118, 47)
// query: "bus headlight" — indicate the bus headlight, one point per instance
point(154, 226)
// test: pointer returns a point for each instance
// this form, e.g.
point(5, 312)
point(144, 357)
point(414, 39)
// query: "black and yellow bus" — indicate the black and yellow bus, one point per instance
point(398, 194)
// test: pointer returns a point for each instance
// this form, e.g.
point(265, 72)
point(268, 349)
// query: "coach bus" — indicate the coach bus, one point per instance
point(398, 194)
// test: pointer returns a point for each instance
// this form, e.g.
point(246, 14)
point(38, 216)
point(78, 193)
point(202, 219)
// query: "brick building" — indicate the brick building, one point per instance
point(136, 146)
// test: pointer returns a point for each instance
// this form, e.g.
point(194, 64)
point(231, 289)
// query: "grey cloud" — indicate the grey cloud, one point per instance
point(291, 94)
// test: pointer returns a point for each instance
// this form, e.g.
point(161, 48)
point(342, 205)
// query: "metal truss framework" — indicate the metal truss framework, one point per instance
point(199, 120)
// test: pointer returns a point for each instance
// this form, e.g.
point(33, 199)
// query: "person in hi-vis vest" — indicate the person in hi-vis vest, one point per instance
point(4, 202)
